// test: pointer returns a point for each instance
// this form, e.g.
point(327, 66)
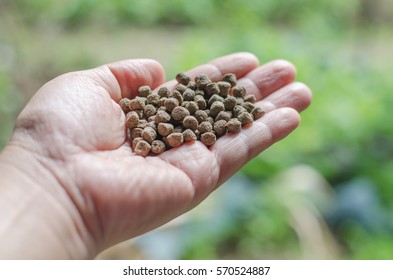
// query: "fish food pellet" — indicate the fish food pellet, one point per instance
point(195, 110)
point(208, 138)
point(144, 91)
point(175, 139)
point(257, 112)
point(233, 126)
point(245, 118)
point(149, 134)
point(157, 147)
point(132, 119)
point(230, 78)
point(189, 135)
point(165, 129)
point(190, 122)
point(183, 78)
point(142, 148)
point(220, 127)
point(239, 91)
point(179, 113)
point(124, 105)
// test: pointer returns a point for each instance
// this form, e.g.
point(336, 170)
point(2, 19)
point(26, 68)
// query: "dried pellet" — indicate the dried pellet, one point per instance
point(192, 85)
point(165, 129)
point(230, 78)
point(188, 95)
point(163, 92)
point(142, 148)
point(201, 81)
point(200, 115)
point(190, 122)
point(212, 88)
point(142, 123)
point(238, 110)
point(153, 99)
point(149, 134)
point(180, 88)
point(239, 91)
point(200, 101)
point(233, 126)
point(214, 98)
point(205, 127)
point(224, 115)
point(250, 98)
point(157, 147)
point(179, 113)
point(132, 119)
point(175, 139)
point(124, 105)
point(135, 141)
point(149, 110)
point(224, 88)
point(137, 103)
point(144, 91)
point(136, 132)
point(230, 103)
point(208, 138)
point(189, 135)
point(161, 117)
point(248, 106)
point(177, 95)
point(220, 127)
point(183, 78)
point(171, 103)
point(257, 112)
point(216, 108)
point(245, 118)
point(192, 107)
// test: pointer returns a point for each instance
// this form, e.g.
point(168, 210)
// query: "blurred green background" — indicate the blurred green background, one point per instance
point(324, 192)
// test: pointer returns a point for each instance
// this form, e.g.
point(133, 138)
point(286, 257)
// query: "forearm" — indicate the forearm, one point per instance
point(35, 215)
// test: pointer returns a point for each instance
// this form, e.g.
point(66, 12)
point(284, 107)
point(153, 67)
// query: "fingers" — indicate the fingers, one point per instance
point(238, 63)
point(234, 150)
point(295, 95)
point(123, 78)
point(268, 78)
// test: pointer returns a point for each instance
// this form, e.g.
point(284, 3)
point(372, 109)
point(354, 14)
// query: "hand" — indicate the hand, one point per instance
point(70, 144)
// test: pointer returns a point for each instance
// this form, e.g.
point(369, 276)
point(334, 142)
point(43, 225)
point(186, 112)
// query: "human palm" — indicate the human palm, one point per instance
point(77, 128)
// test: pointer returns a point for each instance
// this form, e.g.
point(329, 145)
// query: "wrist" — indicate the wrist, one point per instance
point(41, 220)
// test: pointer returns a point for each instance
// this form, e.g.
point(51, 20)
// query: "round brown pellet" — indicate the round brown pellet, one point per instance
point(180, 88)
point(175, 139)
point(200, 101)
point(135, 141)
point(142, 148)
point(224, 88)
point(162, 117)
point(149, 134)
point(245, 118)
point(177, 95)
point(188, 95)
point(163, 92)
point(212, 88)
point(205, 127)
point(214, 98)
point(183, 78)
point(144, 91)
point(132, 119)
point(201, 116)
point(171, 103)
point(233, 126)
point(164, 129)
point(224, 115)
point(208, 138)
point(137, 103)
point(239, 91)
point(248, 106)
point(192, 107)
point(179, 113)
point(257, 112)
point(237, 110)
point(216, 108)
point(201, 81)
point(250, 98)
point(190, 122)
point(189, 135)
point(136, 132)
point(153, 98)
point(220, 127)
point(230, 78)
point(230, 103)
point(124, 105)
point(157, 147)
point(149, 110)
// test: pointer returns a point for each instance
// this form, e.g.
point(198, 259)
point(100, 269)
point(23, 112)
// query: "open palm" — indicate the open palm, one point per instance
point(76, 125)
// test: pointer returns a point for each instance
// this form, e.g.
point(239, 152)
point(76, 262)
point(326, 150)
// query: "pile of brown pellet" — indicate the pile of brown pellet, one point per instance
point(195, 110)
